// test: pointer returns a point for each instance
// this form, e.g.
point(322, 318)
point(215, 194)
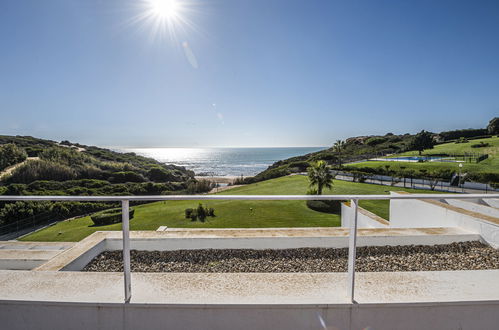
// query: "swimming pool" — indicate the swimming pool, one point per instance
point(415, 159)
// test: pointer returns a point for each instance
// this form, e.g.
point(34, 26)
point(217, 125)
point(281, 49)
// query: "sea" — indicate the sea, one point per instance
point(222, 161)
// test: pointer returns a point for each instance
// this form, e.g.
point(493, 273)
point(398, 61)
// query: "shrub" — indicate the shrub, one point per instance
point(375, 141)
point(10, 154)
point(108, 217)
point(480, 145)
point(200, 213)
point(325, 206)
point(200, 186)
point(41, 170)
point(159, 174)
point(462, 133)
point(126, 176)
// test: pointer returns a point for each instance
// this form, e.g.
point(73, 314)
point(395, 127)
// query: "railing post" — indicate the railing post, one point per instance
point(352, 247)
point(125, 225)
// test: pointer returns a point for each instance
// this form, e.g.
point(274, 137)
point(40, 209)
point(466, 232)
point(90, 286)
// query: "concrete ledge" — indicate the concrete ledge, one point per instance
point(79, 255)
point(441, 316)
point(251, 288)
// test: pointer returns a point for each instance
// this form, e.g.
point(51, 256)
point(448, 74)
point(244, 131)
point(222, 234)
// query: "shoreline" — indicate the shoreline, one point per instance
point(220, 179)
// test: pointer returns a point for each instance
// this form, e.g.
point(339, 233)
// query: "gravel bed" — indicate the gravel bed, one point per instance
point(455, 256)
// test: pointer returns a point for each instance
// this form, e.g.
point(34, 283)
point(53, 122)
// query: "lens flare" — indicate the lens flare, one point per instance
point(165, 19)
point(165, 9)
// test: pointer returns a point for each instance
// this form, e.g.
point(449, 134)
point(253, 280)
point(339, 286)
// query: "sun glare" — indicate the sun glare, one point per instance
point(168, 9)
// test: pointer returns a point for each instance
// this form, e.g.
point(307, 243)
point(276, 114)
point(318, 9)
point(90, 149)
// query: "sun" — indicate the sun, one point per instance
point(166, 19)
point(165, 9)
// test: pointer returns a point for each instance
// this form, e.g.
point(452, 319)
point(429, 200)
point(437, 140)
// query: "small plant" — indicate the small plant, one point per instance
point(200, 213)
point(462, 140)
point(480, 145)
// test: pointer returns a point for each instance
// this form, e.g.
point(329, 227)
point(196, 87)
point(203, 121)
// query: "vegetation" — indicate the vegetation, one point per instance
point(200, 213)
point(493, 126)
point(230, 214)
point(73, 169)
point(319, 175)
point(10, 155)
point(423, 140)
point(108, 217)
point(486, 171)
point(338, 147)
point(424, 143)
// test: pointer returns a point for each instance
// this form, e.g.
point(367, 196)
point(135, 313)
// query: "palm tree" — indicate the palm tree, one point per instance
point(338, 146)
point(319, 174)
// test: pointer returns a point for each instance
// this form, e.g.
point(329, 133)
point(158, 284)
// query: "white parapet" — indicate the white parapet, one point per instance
point(411, 213)
point(365, 219)
point(474, 207)
point(493, 202)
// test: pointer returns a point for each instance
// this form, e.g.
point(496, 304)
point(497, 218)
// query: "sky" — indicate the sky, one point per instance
point(245, 72)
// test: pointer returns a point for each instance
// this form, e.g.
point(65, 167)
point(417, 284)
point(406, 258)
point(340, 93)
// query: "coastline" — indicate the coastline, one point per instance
point(220, 179)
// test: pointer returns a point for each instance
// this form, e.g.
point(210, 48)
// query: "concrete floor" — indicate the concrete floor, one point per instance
point(251, 288)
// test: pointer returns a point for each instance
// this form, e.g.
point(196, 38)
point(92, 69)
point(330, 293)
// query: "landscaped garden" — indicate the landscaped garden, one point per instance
point(477, 170)
point(231, 214)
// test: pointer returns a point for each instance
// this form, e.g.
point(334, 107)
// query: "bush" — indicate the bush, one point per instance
point(480, 145)
point(462, 133)
point(126, 176)
point(325, 206)
point(10, 154)
point(109, 217)
point(375, 141)
point(200, 186)
point(41, 170)
point(37, 211)
point(159, 174)
point(200, 213)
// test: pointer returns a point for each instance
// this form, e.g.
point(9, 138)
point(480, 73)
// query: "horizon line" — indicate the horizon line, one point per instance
point(207, 147)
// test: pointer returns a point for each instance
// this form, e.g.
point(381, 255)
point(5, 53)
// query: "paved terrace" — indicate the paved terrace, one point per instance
point(49, 298)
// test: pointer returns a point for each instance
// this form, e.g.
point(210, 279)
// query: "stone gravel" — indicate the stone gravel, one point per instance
point(455, 256)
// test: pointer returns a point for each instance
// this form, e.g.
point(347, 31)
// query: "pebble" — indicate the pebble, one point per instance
point(455, 256)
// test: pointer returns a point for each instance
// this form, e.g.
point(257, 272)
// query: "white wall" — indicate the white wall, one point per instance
point(365, 219)
point(474, 207)
point(421, 214)
point(17, 315)
point(494, 202)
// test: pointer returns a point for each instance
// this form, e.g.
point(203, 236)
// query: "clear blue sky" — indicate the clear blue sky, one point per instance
point(254, 73)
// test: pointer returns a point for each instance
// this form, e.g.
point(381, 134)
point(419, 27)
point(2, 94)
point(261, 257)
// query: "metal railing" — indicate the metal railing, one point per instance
point(352, 244)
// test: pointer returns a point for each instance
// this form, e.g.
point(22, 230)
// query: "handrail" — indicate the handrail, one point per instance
point(352, 246)
point(241, 197)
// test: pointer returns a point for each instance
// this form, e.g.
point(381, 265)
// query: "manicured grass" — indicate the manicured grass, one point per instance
point(231, 214)
point(489, 165)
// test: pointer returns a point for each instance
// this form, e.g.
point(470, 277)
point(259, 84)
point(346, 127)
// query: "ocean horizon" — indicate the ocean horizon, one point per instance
point(222, 161)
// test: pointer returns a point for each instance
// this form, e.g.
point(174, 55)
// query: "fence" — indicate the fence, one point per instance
point(352, 245)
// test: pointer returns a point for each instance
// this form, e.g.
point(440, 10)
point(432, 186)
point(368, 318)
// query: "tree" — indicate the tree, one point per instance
point(423, 140)
point(319, 174)
point(493, 126)
point(338, 146)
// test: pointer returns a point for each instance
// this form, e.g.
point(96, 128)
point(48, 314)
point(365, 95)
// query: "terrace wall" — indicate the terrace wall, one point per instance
point(433, 214)
point(365, 219)
point(408, 316)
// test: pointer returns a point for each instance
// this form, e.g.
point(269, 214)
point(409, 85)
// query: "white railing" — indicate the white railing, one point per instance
point(352, 245)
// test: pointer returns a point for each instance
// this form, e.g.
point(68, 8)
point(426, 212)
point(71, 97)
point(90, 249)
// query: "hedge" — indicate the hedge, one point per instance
point(325, 206)
point(109, 217)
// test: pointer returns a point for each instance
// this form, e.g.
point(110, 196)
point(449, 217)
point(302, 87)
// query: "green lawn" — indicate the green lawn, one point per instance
point(489, 165)
point(230, 214)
